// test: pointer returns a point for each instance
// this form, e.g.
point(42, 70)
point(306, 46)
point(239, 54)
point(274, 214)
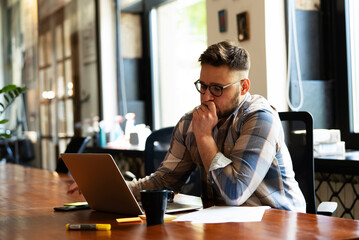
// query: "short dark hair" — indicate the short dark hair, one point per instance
point(226, 53)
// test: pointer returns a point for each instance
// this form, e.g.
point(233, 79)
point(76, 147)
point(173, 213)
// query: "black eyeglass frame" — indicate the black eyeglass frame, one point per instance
point(198, 87)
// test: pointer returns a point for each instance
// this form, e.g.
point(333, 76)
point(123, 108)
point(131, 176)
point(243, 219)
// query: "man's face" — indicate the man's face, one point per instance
point(232, 95)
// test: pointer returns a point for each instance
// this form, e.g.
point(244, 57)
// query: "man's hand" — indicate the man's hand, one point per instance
point(204, 120)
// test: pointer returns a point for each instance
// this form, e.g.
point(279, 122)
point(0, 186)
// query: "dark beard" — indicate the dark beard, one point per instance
point(234, 104)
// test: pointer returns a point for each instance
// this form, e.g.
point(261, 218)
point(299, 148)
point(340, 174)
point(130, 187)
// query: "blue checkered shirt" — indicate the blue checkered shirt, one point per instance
point(253, 165)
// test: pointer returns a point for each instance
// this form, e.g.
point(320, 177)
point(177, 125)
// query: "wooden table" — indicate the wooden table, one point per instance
point(27, 198)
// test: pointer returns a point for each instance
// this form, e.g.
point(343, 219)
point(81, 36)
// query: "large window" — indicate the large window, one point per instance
point(51, 48)
point(179, 36)
point(344, 38)
point(352, 29)
point(67, 69)
point(328, 46)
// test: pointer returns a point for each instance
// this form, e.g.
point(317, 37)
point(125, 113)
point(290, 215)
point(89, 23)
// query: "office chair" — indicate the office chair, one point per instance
point(157, 145)
point(298, 133)
point(76, 145)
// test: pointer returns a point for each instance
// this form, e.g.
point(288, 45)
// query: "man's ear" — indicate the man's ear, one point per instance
point(245, 84)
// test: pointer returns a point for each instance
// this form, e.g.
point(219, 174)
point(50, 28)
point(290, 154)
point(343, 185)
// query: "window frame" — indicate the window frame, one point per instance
point(339, 48)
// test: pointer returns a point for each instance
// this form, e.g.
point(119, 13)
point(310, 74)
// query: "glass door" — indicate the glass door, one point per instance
point(46, 94)
point(56, 86)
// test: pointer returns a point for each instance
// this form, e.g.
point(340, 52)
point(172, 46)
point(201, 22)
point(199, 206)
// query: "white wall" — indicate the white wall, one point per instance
point(266, 44)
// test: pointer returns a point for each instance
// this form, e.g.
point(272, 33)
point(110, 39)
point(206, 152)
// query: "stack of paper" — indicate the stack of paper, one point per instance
point(223, 214)
point(327, 142)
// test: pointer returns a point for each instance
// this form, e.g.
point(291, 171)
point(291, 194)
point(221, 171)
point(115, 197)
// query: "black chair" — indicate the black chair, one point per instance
point(157, 145)
point(298, 130)
point(76, 145)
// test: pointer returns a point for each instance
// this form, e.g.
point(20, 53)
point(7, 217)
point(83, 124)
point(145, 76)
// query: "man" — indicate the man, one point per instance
point(236, 139)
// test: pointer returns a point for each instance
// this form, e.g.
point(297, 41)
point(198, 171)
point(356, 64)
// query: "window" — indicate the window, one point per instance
point(344, 39)
point(352, 31)
point(179, 36)
point(67, 69)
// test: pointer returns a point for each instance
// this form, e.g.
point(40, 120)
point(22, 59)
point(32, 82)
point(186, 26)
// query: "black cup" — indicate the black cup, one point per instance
point(154, 202)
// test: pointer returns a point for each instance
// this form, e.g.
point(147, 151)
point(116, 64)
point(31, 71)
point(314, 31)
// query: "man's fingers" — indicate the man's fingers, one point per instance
point(207, 108)
point(211, 106)
point(73, 188)
point(200, 109)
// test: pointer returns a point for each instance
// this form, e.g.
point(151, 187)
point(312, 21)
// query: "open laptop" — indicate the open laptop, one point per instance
point(105, 189)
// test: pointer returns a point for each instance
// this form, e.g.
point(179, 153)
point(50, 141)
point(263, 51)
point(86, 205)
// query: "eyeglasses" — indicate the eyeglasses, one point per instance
point(214, 89)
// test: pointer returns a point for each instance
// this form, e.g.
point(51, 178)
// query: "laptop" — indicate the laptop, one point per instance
point(104, 188)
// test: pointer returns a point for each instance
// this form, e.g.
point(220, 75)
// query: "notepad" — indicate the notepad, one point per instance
point(166, 217)
point(128, 220)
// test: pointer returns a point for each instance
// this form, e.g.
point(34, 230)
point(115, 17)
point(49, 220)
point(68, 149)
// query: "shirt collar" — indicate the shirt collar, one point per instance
point(247, 96)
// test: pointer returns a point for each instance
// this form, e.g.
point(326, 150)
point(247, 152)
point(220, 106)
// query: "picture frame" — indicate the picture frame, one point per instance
point(243, 26)
point(222, 20)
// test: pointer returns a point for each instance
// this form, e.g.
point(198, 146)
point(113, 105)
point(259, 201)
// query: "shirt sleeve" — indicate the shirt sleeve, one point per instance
point(236, 177)
point(174, 170)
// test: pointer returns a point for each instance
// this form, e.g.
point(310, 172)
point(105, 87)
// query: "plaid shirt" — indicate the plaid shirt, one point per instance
point(253, 165)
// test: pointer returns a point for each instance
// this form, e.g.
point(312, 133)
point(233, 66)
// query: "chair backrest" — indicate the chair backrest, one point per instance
point(157, 145)
point(76, 145)
point(298, 131)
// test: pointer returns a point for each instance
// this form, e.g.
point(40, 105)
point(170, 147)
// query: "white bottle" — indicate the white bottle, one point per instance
point(130, 124)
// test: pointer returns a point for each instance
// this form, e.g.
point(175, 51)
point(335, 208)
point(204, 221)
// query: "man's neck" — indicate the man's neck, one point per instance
point(220, 122)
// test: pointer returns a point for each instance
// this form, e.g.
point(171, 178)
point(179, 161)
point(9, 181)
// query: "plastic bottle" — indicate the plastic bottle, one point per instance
point(130, 124)
point(103, 138)
point(96, 131)
point(117, 130)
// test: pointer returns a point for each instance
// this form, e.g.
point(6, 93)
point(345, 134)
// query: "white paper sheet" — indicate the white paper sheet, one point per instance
point(222, 214)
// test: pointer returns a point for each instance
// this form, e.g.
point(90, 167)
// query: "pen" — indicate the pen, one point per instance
point(105, 227)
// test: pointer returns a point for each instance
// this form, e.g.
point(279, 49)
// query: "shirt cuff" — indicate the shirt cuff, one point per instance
point(219, 161)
